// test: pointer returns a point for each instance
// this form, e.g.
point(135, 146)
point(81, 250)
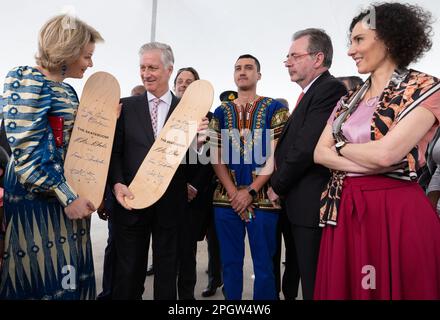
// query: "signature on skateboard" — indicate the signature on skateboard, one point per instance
point(88, 155)
point(159, 166)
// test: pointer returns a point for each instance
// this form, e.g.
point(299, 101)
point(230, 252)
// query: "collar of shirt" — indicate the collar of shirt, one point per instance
point(310, 84)
point(167, 97)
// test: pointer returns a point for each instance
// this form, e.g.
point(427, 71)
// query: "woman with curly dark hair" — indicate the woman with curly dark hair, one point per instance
point(382, 236)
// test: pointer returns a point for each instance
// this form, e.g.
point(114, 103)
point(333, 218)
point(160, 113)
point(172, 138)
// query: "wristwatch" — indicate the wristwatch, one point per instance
point(339, 145)
point(251, 191)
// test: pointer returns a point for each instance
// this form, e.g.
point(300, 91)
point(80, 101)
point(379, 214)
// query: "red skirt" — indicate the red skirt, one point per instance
point(386, 244)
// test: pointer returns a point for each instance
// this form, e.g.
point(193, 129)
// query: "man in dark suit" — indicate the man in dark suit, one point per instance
point(5, 152)
point(194, 223)
point(104, 211)
point(140, 122)
point(289, 281)
point(297, 179)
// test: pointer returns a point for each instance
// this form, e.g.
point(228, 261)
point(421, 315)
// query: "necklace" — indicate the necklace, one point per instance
point(244, 111)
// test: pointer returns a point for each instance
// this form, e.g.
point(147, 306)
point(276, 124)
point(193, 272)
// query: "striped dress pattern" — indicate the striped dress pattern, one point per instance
point(47, 256)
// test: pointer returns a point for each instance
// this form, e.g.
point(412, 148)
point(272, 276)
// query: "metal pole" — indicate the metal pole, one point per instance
point(153, 21)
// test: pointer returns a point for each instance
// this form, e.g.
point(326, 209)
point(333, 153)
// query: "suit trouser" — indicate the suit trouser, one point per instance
point(131, 244)
point(289, 281)
point(187, 275)
point(231, 232)
point(307, 242)
point(214, 263)
point(107, 271)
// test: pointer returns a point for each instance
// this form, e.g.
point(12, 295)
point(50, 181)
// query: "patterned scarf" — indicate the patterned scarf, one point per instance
point(405, 91)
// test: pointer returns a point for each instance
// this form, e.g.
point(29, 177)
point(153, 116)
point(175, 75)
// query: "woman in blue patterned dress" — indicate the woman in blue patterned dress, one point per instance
point(48, 252)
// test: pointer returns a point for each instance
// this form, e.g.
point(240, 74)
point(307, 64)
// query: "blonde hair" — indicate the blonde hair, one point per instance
point(61, 40)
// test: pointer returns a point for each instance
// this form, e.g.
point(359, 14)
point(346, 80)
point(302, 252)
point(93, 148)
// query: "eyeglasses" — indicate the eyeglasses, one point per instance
point(296, 57)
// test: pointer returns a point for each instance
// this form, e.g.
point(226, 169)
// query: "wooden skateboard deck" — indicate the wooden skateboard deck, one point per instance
point(88, 155)
point(160, 164)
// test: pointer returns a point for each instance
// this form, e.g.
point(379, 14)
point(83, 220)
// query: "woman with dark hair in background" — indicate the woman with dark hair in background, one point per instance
point(352, 82)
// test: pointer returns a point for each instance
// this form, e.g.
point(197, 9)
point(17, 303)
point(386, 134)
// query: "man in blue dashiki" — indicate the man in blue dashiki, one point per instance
point(243, 137)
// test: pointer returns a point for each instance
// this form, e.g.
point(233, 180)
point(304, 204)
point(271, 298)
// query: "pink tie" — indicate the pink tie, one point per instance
point(299, 99)
point(153, 114)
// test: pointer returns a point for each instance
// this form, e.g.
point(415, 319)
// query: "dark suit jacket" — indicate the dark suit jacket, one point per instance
point(133, 139)
point(297, 178)
point(5, 151)
point(200, 176)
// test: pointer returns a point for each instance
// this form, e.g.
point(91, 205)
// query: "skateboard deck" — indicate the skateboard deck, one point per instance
point(160, 164)
point(88, 155)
